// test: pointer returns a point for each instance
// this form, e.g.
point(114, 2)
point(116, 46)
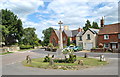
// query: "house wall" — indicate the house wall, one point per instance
point(54, 36)
point(65, 39)
point(78, 41)
point(92, 40)
point(112, 38)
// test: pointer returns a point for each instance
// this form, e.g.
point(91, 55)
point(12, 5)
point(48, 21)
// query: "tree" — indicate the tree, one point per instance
point(87, 25)
point(47, 34)
point(12, 27)
point(95, 25)
point(29, 37)
point(68, 42)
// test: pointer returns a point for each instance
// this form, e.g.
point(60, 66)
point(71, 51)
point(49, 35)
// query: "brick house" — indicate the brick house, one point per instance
point(66, 33)
point(109, 35)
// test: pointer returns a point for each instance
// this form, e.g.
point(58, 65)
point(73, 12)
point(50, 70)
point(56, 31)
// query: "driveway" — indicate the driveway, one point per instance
point(12, 65)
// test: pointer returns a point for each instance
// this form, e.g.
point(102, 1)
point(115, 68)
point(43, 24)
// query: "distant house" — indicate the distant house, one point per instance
point(89, 38)
point(66, 33)
point(109, 36)
point(79, 40)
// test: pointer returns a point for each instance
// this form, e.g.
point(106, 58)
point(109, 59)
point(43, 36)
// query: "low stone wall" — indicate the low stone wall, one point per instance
point(105, 50)
point(98, 50)
point(9, 49)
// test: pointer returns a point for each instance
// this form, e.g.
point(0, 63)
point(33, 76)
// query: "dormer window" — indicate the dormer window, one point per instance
point(88, 36)
point(106, 37)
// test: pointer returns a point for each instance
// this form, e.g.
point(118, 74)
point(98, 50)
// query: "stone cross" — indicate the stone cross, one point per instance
point(60, 36)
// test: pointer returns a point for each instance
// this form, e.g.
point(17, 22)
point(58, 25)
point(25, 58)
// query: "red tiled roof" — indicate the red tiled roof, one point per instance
point(110, 29)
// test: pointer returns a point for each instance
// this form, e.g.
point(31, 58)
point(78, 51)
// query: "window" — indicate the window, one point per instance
point(80, 38)
point(88, 36)
point(106, 37)
point(64, 38)
point(106, 45)
point(118, 36)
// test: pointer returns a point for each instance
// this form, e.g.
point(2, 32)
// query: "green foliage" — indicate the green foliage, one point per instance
point(46, 59)
point(26, 46)
point(72, 59)
point(29, 37)
point(50, 45)
point(5, 53)
point(87, 25)
point(12, 29)
point(68, 42)
point(47, 34)
point(95, 25)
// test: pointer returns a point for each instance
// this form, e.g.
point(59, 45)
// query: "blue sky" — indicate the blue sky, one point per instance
point(42, 14)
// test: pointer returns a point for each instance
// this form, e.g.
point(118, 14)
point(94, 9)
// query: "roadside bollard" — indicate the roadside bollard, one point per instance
point(86, 55)
point(28, 59)
point(102, 58)
point(80, 62)
point(51, 62)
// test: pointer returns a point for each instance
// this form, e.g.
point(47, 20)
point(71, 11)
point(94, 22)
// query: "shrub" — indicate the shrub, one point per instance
point(46, 59)
point(26, 46)
point(50, 45)
point(71, 59)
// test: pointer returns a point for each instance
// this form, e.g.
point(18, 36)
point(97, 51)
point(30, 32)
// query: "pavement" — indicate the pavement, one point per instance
point(12, 65)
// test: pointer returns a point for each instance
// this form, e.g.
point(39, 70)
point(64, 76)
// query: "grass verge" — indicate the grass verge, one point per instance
point(5, 53)
point(88, 62)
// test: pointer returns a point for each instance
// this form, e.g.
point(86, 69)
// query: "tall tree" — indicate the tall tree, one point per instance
point(29, 37)
point(13, 26)
point(87, 25)
point(95, 25)
point(68, 42)
point(47, 32)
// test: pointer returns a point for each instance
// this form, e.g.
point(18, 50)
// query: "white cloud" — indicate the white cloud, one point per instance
point(21, 8)
point(73, 13)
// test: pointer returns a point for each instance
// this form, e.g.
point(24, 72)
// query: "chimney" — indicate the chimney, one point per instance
point(79, 30)
point(66, 28)
point(102, 22)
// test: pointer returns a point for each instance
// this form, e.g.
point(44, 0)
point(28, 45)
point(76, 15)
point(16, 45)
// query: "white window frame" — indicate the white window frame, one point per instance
point(80, 38)
point(118, 36)
point(107, 46)
point(88, 38)
point(105, 37)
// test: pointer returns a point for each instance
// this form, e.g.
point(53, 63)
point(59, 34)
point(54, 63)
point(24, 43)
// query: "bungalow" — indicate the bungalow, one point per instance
point(66, 33)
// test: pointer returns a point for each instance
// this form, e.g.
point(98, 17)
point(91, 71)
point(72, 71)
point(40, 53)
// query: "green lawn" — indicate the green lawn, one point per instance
point(88, 62)
point(26, 49)
point(5, 53)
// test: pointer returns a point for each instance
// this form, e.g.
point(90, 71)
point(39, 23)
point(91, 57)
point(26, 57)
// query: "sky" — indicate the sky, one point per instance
point(42, 14)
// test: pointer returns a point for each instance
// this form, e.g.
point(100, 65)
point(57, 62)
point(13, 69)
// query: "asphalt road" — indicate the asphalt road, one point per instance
point(12, 65)
point(90, 54)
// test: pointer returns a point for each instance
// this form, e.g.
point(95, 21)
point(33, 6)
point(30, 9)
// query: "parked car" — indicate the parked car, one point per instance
point(69, 47)
point(77, 48)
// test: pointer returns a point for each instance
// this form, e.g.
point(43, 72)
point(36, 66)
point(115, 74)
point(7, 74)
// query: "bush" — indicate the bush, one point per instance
point(50, 45)
point(46, 59)
point(72, 59)
point(26, 46)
